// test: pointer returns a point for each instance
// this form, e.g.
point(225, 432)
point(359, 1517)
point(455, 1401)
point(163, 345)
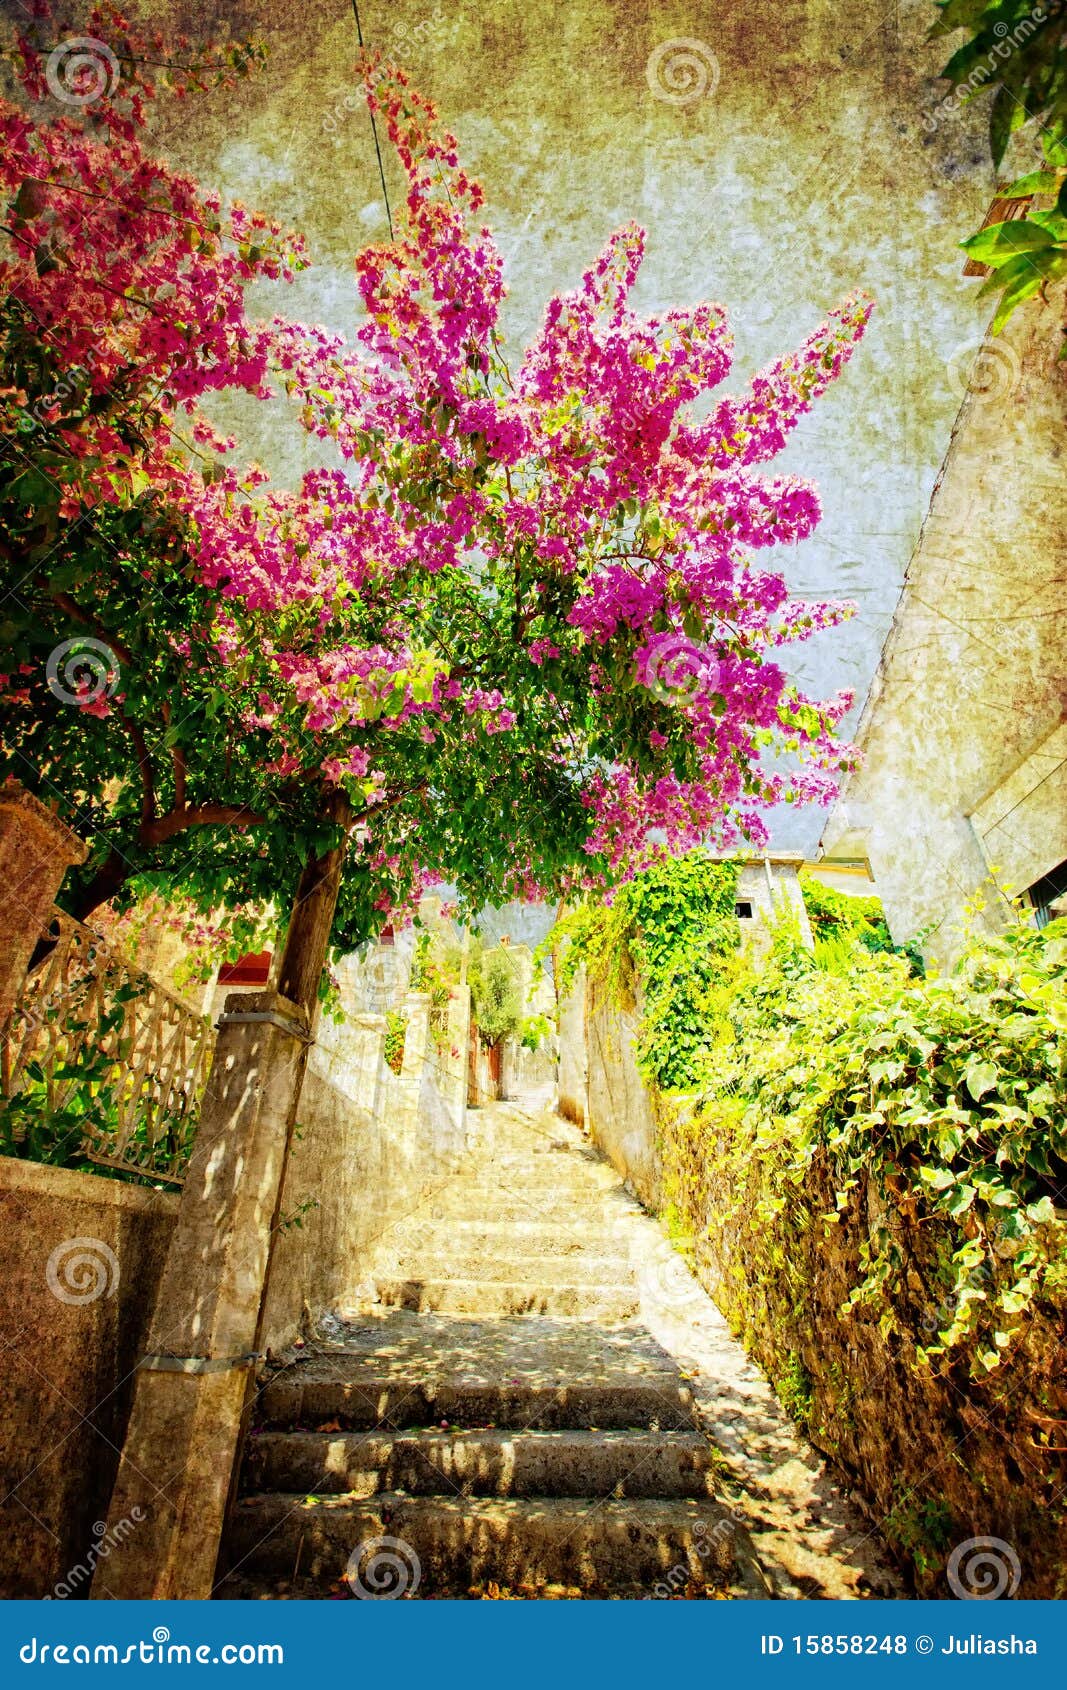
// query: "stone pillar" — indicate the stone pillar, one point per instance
point(455, 1066)
point(368, 1034)
point(417, 1036)
point(185, 1428)
point(36, 849)
point(573, 1053)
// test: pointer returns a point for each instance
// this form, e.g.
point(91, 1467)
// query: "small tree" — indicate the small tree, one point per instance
point(496, 997)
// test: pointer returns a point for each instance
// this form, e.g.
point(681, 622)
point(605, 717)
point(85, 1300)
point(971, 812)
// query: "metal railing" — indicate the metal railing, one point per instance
point(96, 1049)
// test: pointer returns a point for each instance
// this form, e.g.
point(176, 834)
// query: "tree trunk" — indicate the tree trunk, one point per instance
point(308, 937)
point(109, 878)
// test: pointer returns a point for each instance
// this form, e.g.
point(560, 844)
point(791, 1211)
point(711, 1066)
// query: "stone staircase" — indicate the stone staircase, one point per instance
point(490, 1416)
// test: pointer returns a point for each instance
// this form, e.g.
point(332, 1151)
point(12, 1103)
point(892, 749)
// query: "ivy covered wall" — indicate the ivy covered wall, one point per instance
point(866, 1167)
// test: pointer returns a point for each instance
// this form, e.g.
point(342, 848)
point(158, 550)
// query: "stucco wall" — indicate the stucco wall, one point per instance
point(573, 1100)
point(965, 754)
point(368, 1144)
point(80, 1259)
point(619, 1117)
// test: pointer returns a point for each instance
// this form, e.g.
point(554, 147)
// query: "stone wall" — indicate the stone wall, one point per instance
point(618, 1104)
point(80, 1259)
point(936, 1459)
point(573, 1095)
point(368, 1144)
point(964, 736)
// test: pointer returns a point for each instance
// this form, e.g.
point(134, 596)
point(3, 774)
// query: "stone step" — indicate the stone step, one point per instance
point(546, 1272)
point(508, 1208)
point(361, 1401)
point(498, 1298)
point(481, 1463)
point(444, 1546)
point(577, 1185)
point(528, 1237)
point(554, 1206)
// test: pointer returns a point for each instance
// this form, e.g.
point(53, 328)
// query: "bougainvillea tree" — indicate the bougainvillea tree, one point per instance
point(516, 633)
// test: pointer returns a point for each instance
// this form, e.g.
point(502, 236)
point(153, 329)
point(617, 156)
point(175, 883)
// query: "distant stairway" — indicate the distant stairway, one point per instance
point(492, 1418)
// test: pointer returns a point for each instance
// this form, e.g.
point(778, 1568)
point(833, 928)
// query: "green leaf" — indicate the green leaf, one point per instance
point(962, 1200)
point(1002, 241)
point(980, 1077)
point(1034, 182)
point(938, 1179)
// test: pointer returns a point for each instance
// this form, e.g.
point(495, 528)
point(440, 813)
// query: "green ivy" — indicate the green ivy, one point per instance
point(946, 1096)
point(675, 924)
point(395, 1036)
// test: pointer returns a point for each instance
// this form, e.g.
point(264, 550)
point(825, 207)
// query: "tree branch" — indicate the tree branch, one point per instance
point(199, 815)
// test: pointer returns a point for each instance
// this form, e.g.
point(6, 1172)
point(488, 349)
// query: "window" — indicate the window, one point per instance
point(1050, 889)
point(743, 910)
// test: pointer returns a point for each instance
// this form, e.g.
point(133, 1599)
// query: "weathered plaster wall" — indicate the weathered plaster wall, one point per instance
point(573, 1093)
point(80, 1259)
point(369, 1144)
point(964, 742)
point(619, 1117)
point(808, 162)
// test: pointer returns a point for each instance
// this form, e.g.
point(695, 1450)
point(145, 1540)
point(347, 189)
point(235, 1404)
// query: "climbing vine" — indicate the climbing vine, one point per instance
point(675, 925)
point(935, 1105)
point(837, 918)
point(840, 1088)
